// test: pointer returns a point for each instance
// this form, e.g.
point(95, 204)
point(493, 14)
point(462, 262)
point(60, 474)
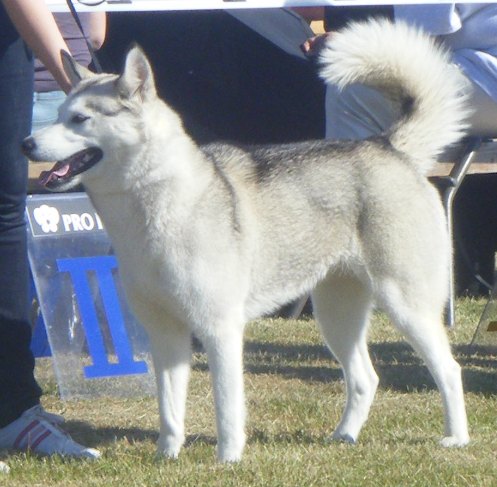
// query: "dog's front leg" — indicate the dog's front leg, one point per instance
point(171, 351)
point(225, 355)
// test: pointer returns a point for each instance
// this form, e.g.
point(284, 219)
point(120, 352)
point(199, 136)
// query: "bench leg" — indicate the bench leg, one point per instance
point(455, 179)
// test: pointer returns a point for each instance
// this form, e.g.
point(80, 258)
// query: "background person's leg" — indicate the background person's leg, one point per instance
point(357, 112)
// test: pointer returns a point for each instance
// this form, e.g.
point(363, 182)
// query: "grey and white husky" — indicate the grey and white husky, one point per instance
point(210, 237)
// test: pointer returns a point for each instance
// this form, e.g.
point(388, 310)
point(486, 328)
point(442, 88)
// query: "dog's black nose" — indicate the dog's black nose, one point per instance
point(28, 145)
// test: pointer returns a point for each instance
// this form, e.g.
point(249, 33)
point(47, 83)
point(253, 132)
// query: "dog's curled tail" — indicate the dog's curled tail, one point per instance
point(407, 65)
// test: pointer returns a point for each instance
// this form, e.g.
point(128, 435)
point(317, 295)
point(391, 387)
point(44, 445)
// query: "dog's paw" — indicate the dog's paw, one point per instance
point(167, 454)
point(230, 450)
point(230, 453)
point(454, 441)
point(229, 456)
point(169, 447)
point(343, 438)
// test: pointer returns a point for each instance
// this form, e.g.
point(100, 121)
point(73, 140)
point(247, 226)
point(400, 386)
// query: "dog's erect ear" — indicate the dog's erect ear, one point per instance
point(137, 78)
point(74, 71)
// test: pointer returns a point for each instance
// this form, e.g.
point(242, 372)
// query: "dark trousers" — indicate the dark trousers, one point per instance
point(18, 388)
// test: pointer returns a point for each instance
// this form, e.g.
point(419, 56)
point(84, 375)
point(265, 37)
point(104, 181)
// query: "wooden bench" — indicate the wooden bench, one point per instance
point(35, 169)
point(475, 156)
point(483, 162)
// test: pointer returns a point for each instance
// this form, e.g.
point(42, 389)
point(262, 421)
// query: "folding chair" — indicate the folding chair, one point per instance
point(453, 182)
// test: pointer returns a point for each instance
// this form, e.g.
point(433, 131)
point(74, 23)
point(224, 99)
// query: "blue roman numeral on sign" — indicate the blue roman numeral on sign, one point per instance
point(102, 266)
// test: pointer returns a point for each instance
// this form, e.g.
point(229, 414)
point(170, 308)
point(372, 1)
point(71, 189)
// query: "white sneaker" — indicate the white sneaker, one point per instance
point(38, 431)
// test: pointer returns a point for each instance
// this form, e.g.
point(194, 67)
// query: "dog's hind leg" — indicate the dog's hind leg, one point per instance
point(225, 355)
point(419, 318)
point(171, 352)
point(342, 305)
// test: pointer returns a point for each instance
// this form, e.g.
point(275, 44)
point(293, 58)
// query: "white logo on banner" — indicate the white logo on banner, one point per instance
point(47, 217)
point(51, 220)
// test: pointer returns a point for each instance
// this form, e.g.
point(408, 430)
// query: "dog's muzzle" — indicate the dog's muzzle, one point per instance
point(63, 171)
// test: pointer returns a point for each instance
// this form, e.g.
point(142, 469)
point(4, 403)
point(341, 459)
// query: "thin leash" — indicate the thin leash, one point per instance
point(74, 13)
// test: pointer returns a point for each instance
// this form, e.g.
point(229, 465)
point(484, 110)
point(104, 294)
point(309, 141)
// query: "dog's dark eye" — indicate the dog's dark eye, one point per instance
point(79, 118)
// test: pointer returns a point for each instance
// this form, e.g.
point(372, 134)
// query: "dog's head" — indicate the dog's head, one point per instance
point(99, 120)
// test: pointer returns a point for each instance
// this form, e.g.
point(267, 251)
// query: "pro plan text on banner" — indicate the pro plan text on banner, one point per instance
point(52, 216)
point(97, 346)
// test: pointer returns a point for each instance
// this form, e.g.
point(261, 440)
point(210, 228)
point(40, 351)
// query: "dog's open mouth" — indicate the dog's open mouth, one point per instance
point(66, 169)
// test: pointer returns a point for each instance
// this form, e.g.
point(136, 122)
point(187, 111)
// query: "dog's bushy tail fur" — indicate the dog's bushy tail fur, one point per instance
point(408, 66)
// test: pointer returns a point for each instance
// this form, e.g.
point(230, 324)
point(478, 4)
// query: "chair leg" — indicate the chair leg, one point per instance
point(455, 179)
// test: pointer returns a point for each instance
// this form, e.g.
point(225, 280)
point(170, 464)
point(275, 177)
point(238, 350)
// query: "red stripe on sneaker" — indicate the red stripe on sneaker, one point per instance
point(34, 445)
point(24, 432)
point(33, 435)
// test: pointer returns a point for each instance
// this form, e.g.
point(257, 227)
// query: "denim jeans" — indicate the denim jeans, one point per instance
point(45, 108)
point(18, 388)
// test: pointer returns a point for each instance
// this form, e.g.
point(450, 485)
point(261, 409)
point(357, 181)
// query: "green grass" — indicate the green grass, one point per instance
point(295, 397)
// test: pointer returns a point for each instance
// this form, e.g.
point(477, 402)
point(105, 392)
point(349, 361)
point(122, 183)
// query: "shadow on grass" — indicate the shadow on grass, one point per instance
point(93, 437)
point(398, 367)
point(88, 435)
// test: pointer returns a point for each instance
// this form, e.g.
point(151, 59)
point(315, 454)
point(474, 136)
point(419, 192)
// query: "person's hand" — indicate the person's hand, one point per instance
point(312, 46)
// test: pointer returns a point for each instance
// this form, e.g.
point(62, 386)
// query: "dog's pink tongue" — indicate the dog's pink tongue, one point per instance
point(59, 170)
